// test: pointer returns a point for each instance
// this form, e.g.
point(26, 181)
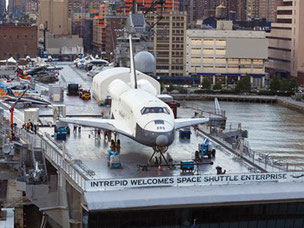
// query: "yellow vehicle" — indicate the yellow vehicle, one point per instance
point(85, 95)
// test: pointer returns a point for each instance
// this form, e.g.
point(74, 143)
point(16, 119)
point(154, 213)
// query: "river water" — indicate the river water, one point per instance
point(273, 130)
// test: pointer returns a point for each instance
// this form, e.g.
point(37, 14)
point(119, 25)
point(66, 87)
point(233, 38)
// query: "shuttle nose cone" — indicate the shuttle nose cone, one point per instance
point(162, 140)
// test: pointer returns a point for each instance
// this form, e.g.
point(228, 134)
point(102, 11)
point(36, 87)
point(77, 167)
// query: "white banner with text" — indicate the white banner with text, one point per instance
point(194, 180)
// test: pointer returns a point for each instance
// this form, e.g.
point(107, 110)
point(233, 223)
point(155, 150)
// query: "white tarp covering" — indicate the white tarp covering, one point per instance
point(102, 80)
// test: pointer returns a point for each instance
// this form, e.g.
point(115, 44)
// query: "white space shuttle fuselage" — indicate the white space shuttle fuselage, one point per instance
point(149, 120)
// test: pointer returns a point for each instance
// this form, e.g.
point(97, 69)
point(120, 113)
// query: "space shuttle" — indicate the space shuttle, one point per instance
point(138, 113)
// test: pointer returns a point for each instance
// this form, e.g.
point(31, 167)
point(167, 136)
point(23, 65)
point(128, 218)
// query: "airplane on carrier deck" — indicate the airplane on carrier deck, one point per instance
point(138, 113)
point(10, 94)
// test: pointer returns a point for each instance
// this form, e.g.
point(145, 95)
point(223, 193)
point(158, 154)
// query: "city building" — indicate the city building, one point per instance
point(17, 8)
point(64, 46)
point(241, 12)
point(2, 9)
point(169, 43)
point(99, 30)
point(224, 56)
point(18, 41)
point(268, 9)
point(253, 9)
point(31, 7)
point(286, 41)
point(53, 15)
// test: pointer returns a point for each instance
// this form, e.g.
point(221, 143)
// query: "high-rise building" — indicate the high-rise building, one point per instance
point(169, 43)
point(54, 14)
point(31, 7)
point(232, 5)
point(253, 9)
point(241, 12)
point(268, 9)
point(2, 8)
point(99, 30)
point(286, 41)
point(17, 8)
point(201, 9)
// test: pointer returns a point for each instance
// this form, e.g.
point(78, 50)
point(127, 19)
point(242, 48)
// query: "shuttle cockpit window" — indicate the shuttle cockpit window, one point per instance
point(147, 110)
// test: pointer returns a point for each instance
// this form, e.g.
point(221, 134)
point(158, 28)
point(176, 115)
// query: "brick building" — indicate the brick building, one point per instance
point(18, 41)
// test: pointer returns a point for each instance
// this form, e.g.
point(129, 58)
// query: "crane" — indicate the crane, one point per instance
point(12, 111)
point(152, 8)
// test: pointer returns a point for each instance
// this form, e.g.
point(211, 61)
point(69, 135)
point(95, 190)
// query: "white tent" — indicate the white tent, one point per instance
point(102, 80)
point(10, 60)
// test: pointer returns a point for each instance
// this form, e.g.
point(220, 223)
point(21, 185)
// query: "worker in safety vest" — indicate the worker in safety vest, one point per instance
point(102, 113)
point(28, 125)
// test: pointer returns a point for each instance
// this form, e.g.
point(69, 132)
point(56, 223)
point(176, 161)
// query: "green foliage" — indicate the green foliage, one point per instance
point(182, 90)
point(284, 85)
point(206, 84)
point(274, 85)
point(239, 86)
point(293, 85)
point(217, 86)
point(243, 85)
point(247, 84)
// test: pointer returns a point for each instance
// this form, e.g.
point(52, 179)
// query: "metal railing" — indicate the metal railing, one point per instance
point(198, 108)
point(54, 154)
point(264, 161)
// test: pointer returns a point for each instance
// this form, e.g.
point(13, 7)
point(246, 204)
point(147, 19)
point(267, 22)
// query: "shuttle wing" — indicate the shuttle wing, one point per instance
point(179, 123)
point(106, 124)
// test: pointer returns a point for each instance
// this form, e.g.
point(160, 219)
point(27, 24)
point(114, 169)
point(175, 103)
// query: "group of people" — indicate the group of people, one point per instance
point(75, 129)
point(30, 126)
point(115, 146)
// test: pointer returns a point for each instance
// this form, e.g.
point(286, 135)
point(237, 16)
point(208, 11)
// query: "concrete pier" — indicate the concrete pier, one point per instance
point(226, 97)
point(283, 101)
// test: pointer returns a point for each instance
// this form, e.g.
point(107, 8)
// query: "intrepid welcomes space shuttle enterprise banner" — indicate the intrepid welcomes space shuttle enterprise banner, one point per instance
point(193, 180)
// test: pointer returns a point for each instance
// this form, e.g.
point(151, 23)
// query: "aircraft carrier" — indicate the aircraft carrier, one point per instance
point(68, 183)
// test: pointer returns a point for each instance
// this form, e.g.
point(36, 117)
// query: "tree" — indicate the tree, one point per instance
point(284, 85)
point(206, 84)
point(247, 84)
point(274, 84)
point(217, 86)
point(293, 85)
point(243, 85)
point(239, 86)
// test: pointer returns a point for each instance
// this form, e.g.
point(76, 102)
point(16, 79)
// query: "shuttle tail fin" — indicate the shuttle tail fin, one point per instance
point(133, 79)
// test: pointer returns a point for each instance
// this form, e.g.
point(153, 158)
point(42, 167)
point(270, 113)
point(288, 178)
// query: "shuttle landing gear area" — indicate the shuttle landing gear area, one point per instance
point(158, 160)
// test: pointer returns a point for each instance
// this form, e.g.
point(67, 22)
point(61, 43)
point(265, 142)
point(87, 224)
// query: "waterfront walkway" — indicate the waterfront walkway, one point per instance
point(283, 101)
point(226, 97)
